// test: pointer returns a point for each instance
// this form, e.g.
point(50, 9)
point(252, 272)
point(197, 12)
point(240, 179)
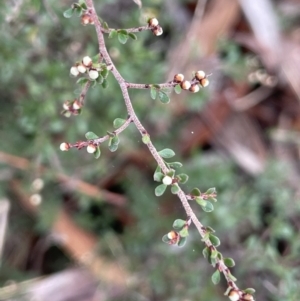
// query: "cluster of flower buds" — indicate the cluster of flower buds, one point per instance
point(200, 80)
point(86, 65)
point(236, 295)
point(86, 19)
point(155, 27)
point(71, 107)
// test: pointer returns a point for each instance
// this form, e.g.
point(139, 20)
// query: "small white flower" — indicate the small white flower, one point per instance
point(74, 71)
point(37, 184)
point(64, 147)
point(87, 61)
point(185, 85)
point(153, 22)
point(157, 30)
point(93, 74)
point(35, 199)
point(91, 148)
point(76, 105)
point(167, 180)
point(81, 68)
point(200, 74)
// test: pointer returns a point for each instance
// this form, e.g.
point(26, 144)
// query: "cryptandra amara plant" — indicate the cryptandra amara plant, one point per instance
point(95, 71)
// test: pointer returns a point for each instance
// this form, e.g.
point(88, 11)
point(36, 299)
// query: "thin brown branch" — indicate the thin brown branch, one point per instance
point(130, 110)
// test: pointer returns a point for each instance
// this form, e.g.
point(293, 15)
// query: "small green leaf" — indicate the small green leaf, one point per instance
point(104, 84)
point(171, 173)
point(209, 229)
point(105, 25)
point(211, 190)
point(175, 165)
point(208, 207)
point(68, 13)
point(184, 232)
point(216, 277)
point(229, 262)
point(82, 81)
point(158, 176)
point(212, 199)
point(118, 122)
point(113, 34)
point(132, 36)
point(78, 11)
point(179, 224)
point(153, 92)
point(166, 239)
point(214, 240)
point(177, 89)
point(146, 139)
point(163, 97)
point(113, 147)
point(104, 72)
point(249, 290)
point(196, 192)
point(97, 153)
point(183, 178)
point(160, 189)
point(214, 254)
point(122, 37)
point(200, 201)
point(115, 140)
point(175, 189)
point(99, 79)
point(206, 252)
point(182, 241)
point(231, 277)
point(166, 153)
point(91, 136)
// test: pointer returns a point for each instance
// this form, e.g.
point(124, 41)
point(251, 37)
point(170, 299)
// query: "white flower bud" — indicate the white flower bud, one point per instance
point(87, 61)
point(93, 74)
point(74, 71)
point(91, 148)
point(35, 199)
point(172, 234)
point(157, 30)
point(76, 105)
point(37, 184)
point(64, 147)
point(66, 105)
point(167, 180)
point(81, 68)
point(185, 85)
point(200, 75)
point(194, 88)
point(178, 78)
point(234, 295)
point(153, 22)
point(204, 82)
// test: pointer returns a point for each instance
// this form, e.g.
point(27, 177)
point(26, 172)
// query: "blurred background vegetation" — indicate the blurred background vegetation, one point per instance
point(84, 229)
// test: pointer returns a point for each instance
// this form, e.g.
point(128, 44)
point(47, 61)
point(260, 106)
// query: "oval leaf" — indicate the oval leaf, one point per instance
point(132, 36)
point(229, 262)
point(153, 92)
point(175, 165)
point(68, 13)
point(179, 224)
point(175, 189)
point(91, 136)
point(160, 189)
point(112, 34)
point(196, 192)
point(214, 240)
point(122, 37)
point(163, 97)
point(183, 178)
point(177, 89)
point(166, 153)
point(208, 207)
point(216, 277)
point(97, 153)
point(158, 176)
point(118, 122)
point(182, 241)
